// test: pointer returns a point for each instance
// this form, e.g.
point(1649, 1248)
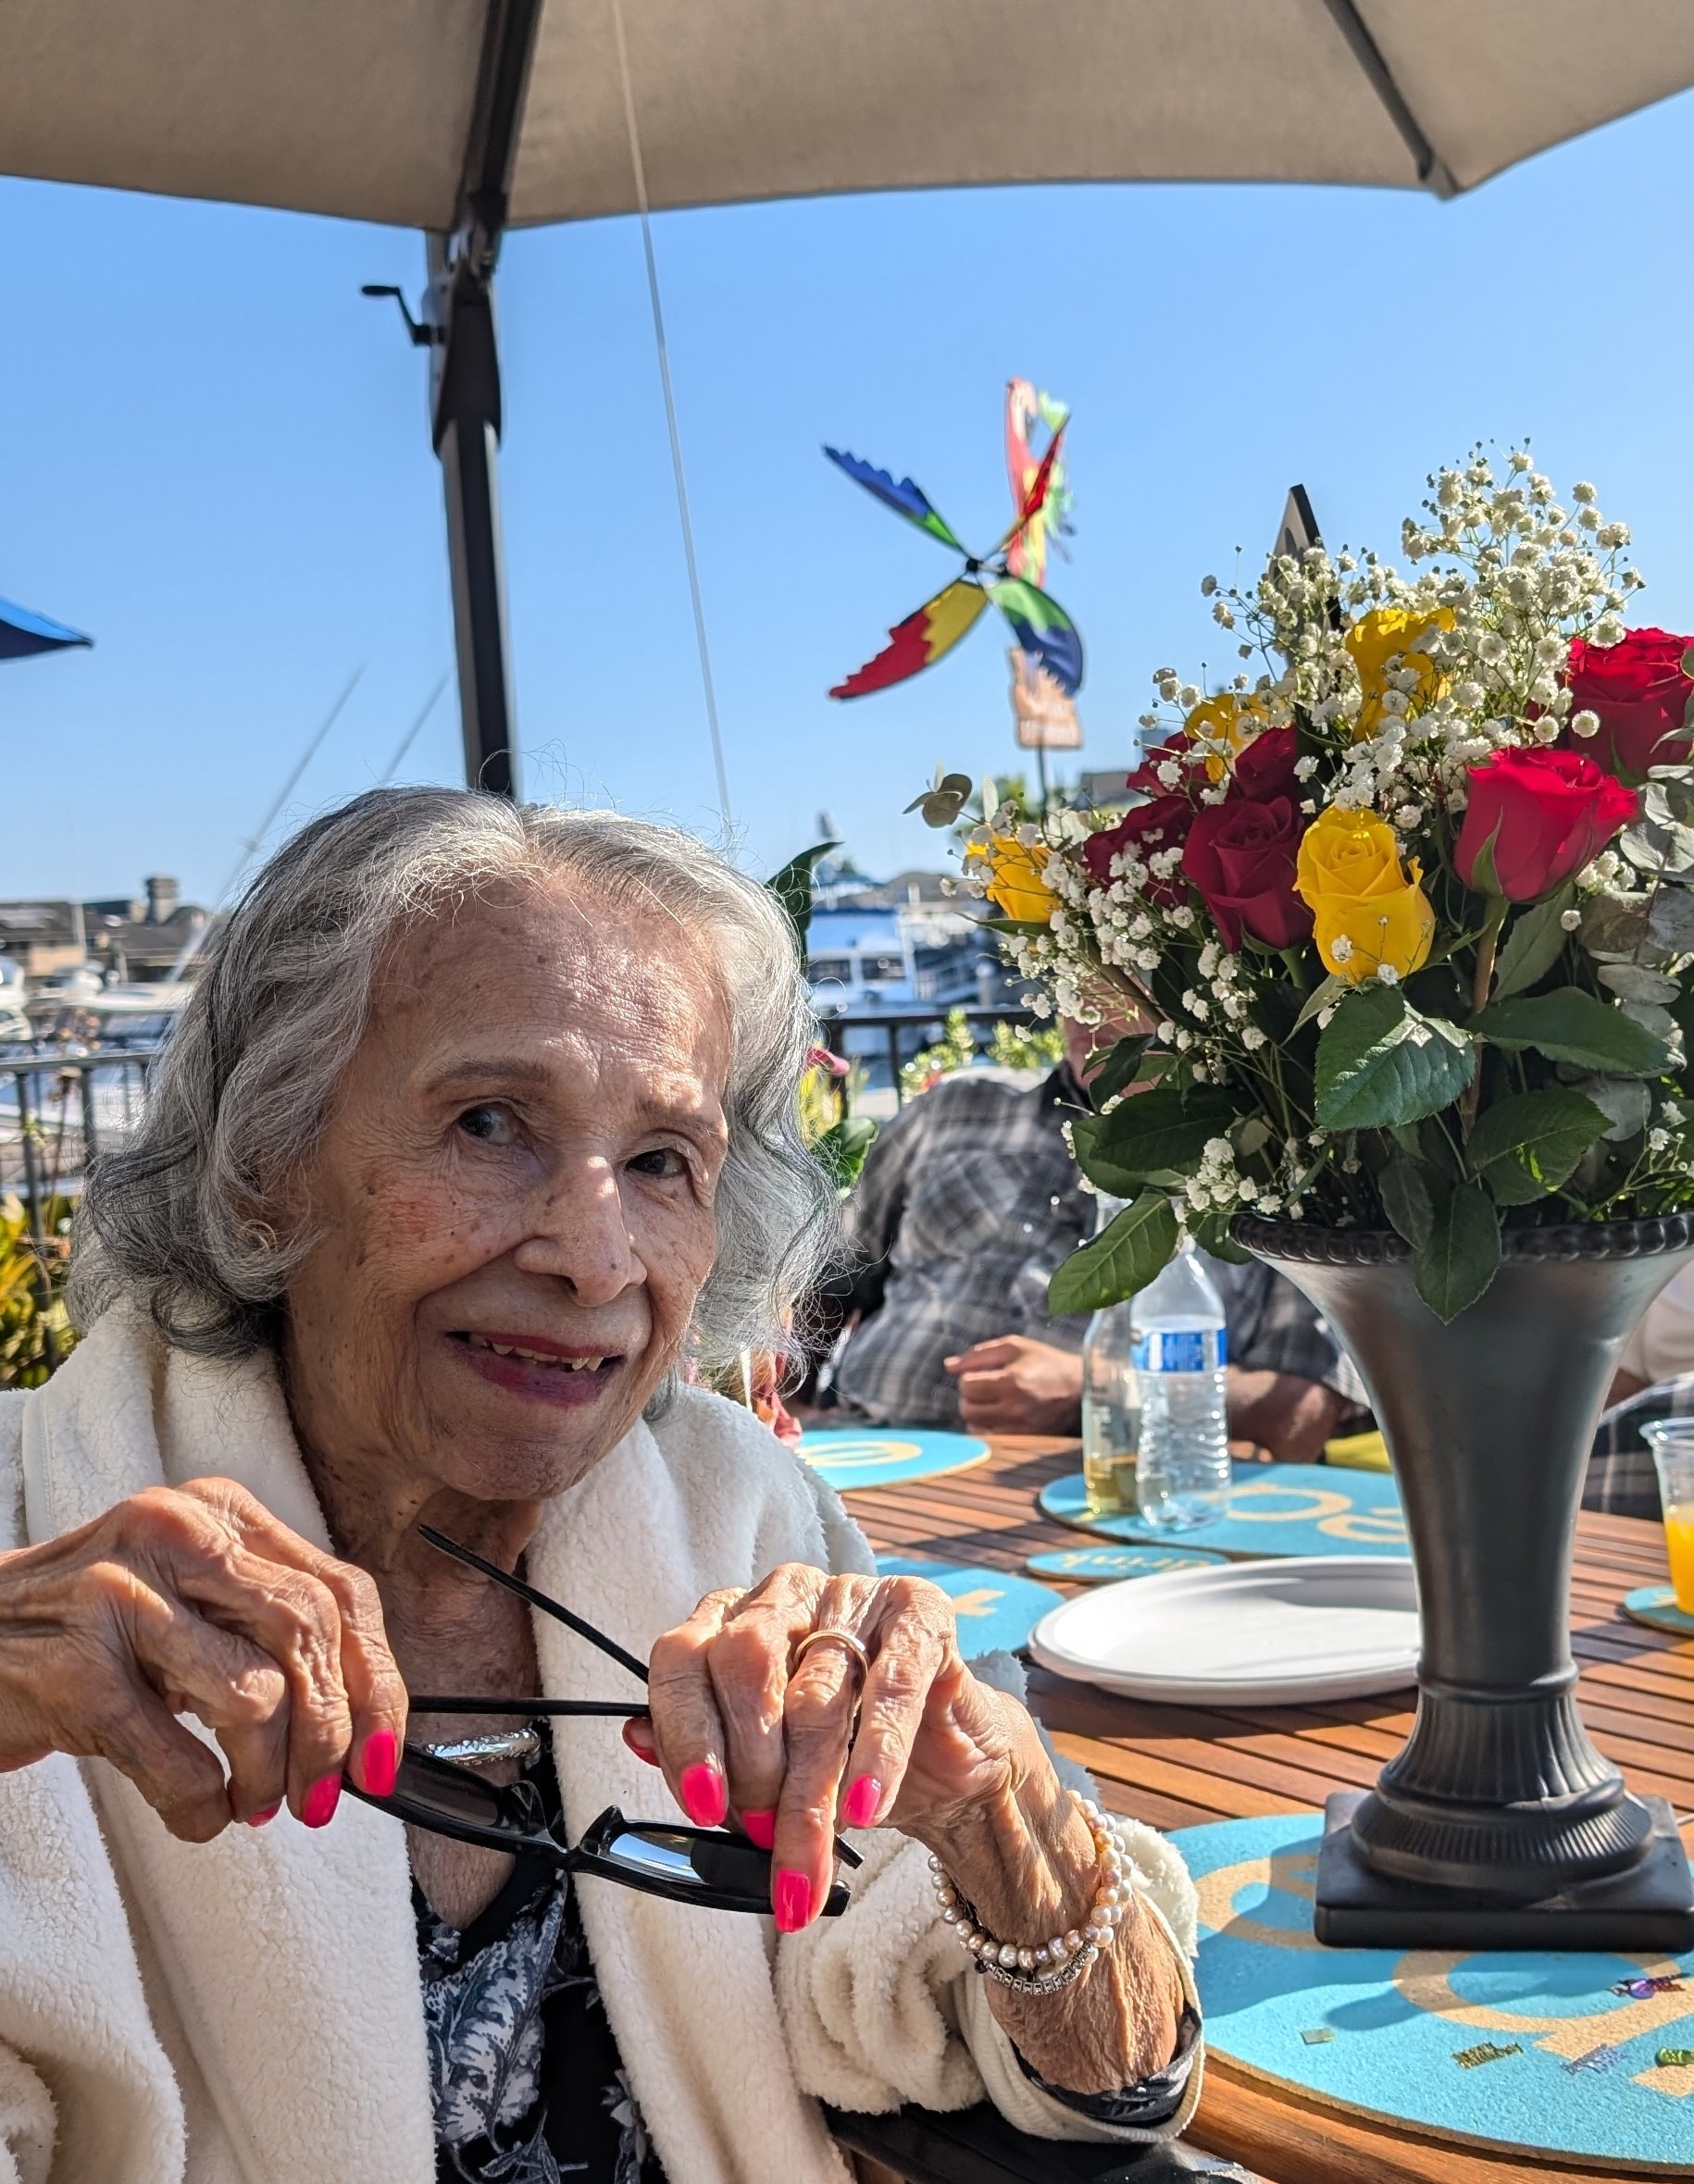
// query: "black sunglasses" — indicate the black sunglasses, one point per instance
point(716, 1868)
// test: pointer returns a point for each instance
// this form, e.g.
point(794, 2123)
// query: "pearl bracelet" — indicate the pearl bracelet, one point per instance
point(1054, 1964)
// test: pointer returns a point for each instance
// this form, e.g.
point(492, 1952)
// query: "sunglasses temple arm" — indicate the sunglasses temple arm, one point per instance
point(516, 1584)
point(527, 1708)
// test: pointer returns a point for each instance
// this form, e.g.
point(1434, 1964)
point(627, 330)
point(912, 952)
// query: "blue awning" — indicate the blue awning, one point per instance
point(22, 633)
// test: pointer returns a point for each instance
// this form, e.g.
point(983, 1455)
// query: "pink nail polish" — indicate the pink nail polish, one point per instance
point(318, 1809)
point(381, 1762)
point(860, 1807)
point(760, 1828)
point(257, 1819)
point(704, 1797)
point(794, 1901)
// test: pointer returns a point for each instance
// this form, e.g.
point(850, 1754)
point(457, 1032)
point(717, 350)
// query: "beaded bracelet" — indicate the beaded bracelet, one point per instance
point(1029, 1971)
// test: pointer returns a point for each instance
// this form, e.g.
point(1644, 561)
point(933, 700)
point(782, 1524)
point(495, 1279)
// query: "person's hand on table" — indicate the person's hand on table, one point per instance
point(794, 1741)
point(1289, 1416)
point(199, 1601)
point(1015, 1385)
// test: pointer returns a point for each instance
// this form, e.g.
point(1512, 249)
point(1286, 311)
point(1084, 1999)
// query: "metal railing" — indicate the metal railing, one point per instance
point(907, 1032)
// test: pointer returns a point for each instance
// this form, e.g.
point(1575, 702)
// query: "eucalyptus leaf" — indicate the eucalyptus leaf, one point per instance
point(1123, 1259)
point(1529, 1144)
point(941, 805)
point(1653, 848)
point(1670, 921)
point(1651, 1018)
point(1457, 1260)
point(1380, 1062)
point(1669, 798)
point(1625, 1101)
point(1634, 982)
point(1570, 1025)
point(1614, 927)
point(1251, 1135)
point(1534, 943)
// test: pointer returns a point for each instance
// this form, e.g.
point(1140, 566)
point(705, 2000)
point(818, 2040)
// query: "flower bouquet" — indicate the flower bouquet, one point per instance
point(1404, 915)
point(1403, 921)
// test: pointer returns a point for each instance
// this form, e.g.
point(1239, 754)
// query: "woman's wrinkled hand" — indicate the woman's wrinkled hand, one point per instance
point(796, 1745)
point(198, 1601)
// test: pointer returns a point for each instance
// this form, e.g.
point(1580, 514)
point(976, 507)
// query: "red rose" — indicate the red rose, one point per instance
point(1177, 751)
point(1642, 695)
point(1549, 813)
point(1240, 855)
point(1265, 768)
point(1159, 825)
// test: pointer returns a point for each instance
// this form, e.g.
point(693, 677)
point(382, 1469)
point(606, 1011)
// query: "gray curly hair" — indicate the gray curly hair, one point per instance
point(184, 1220)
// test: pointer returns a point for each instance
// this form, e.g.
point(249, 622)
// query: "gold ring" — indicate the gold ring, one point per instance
point(844, 1638)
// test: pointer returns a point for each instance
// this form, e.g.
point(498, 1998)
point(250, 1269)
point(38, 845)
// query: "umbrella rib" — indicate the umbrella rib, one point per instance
point(1433, 171)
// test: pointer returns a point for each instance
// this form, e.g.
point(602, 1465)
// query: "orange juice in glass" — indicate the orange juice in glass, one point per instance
point(1672, 1442)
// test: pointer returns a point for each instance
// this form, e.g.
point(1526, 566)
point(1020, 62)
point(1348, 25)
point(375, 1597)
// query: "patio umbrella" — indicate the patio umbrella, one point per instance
point(461, 118)
point(22, 633)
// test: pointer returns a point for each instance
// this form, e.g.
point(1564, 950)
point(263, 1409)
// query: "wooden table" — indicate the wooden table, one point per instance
point(1178, 1766)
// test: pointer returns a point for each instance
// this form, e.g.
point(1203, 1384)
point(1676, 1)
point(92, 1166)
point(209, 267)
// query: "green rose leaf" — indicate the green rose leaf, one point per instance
point(1159, 1133)
point(1101, 1170)
point(1380, 1063)
point(1325, 997)
point(1123, 1259)
point(1211, 1230)
point(1534, 944)
point(1570, 1026)
point(1406, 1201)
point(1118, 1070)
point(1529, 1144)
point(1457, 1259)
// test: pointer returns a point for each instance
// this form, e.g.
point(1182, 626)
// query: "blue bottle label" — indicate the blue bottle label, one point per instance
point(1179, 1349)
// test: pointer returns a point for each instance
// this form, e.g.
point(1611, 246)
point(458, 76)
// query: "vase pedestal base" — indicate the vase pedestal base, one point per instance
point(1649, 1907)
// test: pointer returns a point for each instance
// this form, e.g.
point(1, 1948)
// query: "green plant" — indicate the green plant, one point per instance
point(31, 1293)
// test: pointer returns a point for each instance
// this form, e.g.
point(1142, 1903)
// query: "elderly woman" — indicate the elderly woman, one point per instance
point(479, 1129)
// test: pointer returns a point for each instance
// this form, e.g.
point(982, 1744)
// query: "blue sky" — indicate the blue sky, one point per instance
point(214, 456)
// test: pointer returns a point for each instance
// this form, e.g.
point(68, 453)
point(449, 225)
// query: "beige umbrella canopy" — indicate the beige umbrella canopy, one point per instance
point(362, 108)
point(461, 116)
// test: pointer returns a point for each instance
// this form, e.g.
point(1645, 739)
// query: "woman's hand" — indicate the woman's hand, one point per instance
point(199, 1601)
point(796, 1743)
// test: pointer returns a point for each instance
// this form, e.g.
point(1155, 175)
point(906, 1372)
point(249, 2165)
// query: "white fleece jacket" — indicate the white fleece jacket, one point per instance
point(248, 2011)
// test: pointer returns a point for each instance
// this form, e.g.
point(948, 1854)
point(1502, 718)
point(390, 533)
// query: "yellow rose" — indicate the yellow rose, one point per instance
point(1015, 886)
point(1367, 910)
point(1228, 723)
point(1394, 637)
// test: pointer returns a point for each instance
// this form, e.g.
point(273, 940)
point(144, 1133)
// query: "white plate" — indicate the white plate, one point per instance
point(1260, 1634)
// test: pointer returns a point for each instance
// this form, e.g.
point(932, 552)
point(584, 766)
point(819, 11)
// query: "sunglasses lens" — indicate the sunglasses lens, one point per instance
point(725, 1863)
point(453, 1793)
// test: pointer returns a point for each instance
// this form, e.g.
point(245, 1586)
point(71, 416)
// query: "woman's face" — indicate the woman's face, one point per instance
point(514, 1196)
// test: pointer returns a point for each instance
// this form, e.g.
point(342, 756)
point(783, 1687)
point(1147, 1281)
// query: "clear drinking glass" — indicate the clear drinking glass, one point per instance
point(1672, 1442)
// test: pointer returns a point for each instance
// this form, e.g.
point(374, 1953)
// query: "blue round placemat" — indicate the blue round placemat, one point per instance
point(1550, 2053)
point(996, 1609)
point(888, 1456)
point(1103, 1566)
point(1270, 1509)
point(1657, 1604)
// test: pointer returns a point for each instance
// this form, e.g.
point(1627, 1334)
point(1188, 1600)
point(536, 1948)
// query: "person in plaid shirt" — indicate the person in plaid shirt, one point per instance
point(967, 1203)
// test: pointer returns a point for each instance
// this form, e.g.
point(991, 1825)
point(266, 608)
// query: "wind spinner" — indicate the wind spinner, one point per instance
point(1043, 630)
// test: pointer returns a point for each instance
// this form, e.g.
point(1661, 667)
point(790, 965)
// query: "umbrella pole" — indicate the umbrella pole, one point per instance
point(467, 434)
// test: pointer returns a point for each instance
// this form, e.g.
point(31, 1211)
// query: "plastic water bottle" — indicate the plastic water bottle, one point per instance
point(1182, 1469)
point(1110, 1412)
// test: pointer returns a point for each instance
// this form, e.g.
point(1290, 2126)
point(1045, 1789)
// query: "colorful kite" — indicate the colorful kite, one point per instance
point(1043, 630)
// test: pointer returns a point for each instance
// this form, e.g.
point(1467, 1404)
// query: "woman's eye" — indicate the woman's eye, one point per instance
point(489, 1125)
point(664, 1160)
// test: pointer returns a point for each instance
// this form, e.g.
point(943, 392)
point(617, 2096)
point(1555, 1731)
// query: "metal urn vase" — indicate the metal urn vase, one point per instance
point(1498, 1826)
